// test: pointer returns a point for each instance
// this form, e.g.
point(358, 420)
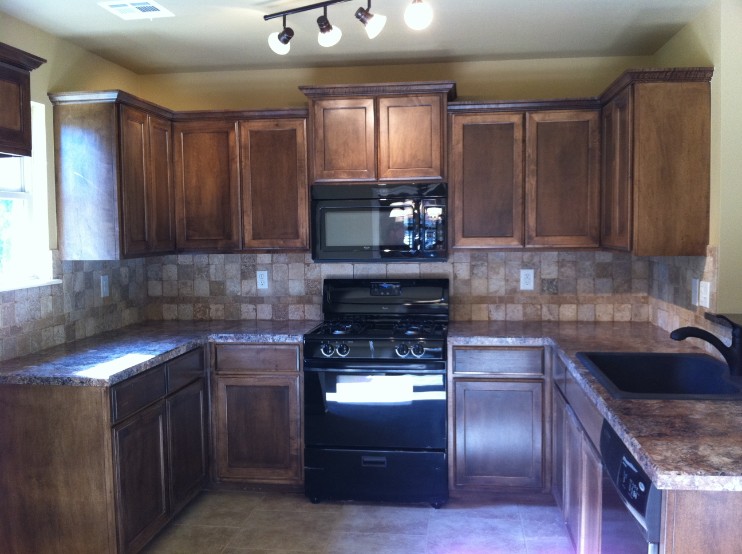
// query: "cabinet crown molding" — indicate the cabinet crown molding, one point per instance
point(378, 89)
point(13, 56)
point(657, 75)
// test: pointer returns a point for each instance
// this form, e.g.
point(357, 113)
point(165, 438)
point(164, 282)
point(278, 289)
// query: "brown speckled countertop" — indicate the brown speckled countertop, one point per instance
point(681, 444)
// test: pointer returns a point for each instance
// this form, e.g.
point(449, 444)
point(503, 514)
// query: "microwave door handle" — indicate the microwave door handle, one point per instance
point(417, 218)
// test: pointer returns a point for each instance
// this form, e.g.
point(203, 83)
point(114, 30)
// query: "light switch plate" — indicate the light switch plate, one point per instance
point(262, 279)
point(104, 288)
point(704, 294)
point(526, 279)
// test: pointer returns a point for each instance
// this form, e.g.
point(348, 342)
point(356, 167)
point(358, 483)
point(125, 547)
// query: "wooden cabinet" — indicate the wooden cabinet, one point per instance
point(498, 433)
point(15, 100)
point(273, 164)
point(525, 178)
point(148, 225)
point(113, 157)
point(656, 162)
point(257, 406)
point(378, 132)
point(563, 178)
point(104, 468)
point(207, 194)
point(487, 189)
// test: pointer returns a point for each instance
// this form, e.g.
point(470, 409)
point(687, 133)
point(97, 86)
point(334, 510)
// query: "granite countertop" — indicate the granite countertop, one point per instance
point(681, 444)
point(109, 358)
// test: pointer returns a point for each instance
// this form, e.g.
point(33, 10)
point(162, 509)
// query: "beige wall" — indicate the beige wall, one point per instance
point(714, 39)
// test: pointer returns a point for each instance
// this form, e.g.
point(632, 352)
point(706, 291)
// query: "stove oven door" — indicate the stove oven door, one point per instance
point(375, 409)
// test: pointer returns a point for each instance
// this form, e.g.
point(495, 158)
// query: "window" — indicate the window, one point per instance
point(25, 258)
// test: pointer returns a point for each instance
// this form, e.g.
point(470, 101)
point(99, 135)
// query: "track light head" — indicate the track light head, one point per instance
point(374, 23)
point(279, 41)
point(418, 15)
point(328, 35)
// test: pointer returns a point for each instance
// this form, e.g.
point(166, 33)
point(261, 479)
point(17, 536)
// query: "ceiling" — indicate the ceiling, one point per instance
point(209, 35)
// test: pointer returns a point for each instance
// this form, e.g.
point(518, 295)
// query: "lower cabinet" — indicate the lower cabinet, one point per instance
point(159, 451)
point(498, 409)
point(257, 414)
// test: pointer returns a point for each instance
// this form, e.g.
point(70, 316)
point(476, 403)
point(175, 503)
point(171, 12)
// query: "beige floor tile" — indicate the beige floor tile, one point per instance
point(228, 509)
point(400, 520)
point(376, 543)
point(191, 539)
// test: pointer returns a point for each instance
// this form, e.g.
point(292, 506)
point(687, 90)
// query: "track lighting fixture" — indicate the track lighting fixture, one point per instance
point(418, 15)
point(374, 23)
point(279, 42)
point(328, 35)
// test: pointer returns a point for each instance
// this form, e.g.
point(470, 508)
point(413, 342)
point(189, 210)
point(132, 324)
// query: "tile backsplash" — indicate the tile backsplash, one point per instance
point(569, 286)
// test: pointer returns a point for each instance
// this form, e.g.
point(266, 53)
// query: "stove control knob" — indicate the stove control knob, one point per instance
point(417, 349)
point(402, 350)
point(342, 349)
point(327, 349)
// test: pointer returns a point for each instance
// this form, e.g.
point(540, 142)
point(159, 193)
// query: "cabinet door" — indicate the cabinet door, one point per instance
point(499, 430)
point(563, 178)
point(487, 179)
point(573, 475)
point(558, 445)
point(186, 419)
point(344, 144)
point(592, 477)
point(411, 137)
point(616, 208)
point(274, 184)
point(258, 429)
point(146, 184)
point(141, 487)
point(15, 111)
point(207, 186)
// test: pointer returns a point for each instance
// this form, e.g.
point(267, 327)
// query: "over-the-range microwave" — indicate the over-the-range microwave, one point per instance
point(379, 222)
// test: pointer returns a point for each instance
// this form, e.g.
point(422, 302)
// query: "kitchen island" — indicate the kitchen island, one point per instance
point(692, 450)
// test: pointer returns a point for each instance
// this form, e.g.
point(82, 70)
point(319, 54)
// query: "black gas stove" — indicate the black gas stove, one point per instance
point(375, 392)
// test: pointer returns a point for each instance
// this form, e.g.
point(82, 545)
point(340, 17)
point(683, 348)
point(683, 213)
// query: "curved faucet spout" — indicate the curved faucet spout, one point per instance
point(732, 354)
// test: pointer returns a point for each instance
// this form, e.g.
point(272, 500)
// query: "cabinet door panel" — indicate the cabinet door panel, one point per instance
point(344, 139)
point(15, 111)
point(274, 184)
point(207, 186)
point(499, 427)
point(563, 179)
point(134, 181)
point(187, 443)
point(140, 463)
point(487, 173)
point(162, 207)
point(616, 208)
point(410, 137)
point(258, 429)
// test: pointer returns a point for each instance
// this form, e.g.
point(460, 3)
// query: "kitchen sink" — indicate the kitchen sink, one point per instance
point(668, 376)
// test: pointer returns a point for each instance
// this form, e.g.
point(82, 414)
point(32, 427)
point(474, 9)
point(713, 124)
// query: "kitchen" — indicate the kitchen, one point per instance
point(600, 286)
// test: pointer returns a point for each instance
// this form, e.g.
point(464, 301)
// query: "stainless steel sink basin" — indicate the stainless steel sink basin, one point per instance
point(662, 375)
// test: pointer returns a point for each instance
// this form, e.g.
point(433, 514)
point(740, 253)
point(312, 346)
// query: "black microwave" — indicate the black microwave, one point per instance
point(379, 222)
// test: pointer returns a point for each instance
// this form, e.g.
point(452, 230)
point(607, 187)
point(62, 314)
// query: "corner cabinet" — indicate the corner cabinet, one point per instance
point(273, 169)
point(113, 159)
point(394, 131)
point(498, 436)
point(257, 421)
point(527, 178)
point(656, 162)
point(15, 100)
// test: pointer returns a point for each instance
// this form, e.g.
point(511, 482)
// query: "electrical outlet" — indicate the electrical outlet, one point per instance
point(704, 294)
point(104, 288)
point(694, 284)
point(526, 279)
point(262, 279)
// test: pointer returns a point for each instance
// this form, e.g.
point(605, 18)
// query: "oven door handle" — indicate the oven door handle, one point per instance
point(386, 367)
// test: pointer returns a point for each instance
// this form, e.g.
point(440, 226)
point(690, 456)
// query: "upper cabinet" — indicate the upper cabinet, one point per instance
point(378, 132)
point(273, 167)
point(207, 192)
point(113, 156)
point(525, 175)
point(656, 162)
point(15, 100)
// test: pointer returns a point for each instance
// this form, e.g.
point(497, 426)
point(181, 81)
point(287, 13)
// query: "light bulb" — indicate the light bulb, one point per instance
point(328, 35)
point(374, 23)
point(418, 15)
point(277, 45)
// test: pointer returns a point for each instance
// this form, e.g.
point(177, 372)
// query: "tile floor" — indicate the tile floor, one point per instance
point(273, 523)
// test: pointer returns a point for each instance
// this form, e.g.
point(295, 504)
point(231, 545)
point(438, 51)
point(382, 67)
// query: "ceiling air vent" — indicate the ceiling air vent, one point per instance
point(136, 10)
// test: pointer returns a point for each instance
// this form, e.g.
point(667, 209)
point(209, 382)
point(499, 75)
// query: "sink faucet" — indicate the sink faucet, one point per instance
point(732, 353)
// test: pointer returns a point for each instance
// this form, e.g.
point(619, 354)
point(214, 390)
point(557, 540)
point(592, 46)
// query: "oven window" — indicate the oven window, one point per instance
point(386, 389)
point(390, 227)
